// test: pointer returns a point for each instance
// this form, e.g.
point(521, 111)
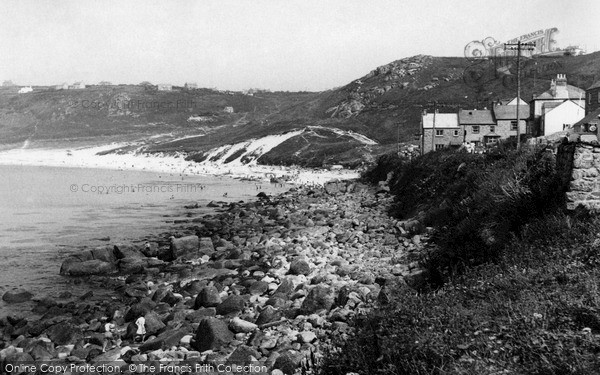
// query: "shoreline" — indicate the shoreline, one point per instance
point(87, 157)
point(275, 282)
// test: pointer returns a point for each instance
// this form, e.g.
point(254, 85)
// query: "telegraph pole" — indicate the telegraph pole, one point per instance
point(519, 46)
point(433, 130)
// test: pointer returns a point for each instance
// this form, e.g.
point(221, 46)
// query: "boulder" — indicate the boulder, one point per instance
point(232, 304)
point(288, 362)
point(205, 246)
point(208, 297)
point(212, 333)
point(74, 267)
point(127, 251)
point(17, 296)
point(64, 333)
point(320, 297)
point(153, 323)
point(300, 267)
point(185, 247)
point(165, 340)
point(238, 325)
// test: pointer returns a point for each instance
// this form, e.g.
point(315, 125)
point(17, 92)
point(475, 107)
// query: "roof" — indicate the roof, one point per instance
point(570, 92)
point(442, 120)
point(550, 106)
point(595, 85)
point(476, 117)
point(592, 117)
point(509, 112)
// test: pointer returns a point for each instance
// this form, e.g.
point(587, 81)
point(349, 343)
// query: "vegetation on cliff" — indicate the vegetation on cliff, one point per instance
point(513, 279)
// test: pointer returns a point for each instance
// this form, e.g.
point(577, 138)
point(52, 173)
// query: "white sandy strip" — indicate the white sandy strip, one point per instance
point(88, 158)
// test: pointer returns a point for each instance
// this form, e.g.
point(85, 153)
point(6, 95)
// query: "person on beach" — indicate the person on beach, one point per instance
point(141, 329)
point(111, 334)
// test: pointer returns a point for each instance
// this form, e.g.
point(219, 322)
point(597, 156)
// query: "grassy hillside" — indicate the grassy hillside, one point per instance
point(384, 105)
point(513, 279)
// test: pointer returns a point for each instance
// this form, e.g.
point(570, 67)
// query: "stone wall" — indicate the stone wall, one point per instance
point(579, 165)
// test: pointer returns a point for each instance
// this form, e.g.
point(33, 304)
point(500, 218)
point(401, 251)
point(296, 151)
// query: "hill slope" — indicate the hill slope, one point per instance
point(384, 106)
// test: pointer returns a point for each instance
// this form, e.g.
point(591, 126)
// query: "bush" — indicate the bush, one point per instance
point(476, 203)
point(535, 311)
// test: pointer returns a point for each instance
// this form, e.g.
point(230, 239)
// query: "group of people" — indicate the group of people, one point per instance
point(113, 335)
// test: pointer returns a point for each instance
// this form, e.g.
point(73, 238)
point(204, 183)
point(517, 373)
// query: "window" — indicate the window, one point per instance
point(439, 133)
point(513, 125)
point(492, 129)
point(475, 129)
point(439, 147)
point(456, 133)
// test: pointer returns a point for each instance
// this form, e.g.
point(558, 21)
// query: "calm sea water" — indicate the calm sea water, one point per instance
point(49, 213)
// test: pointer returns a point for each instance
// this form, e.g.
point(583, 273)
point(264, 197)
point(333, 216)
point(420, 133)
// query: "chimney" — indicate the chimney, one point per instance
point(553, 87)
point(561, 79)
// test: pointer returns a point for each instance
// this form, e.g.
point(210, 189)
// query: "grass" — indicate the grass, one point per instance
point(527, 302)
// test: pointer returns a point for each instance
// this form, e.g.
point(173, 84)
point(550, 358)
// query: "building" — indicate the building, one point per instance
point(588, 125)
point(228, 109)
point(506, 119)
point(104, 83)
point(190, 86)
point(63, 86)
point(77, 86)
point(557, 117)
point(478, 126)
point(25, 90)
point(165, 87)
point(592, 98)
point(440, 130)
point(559, 92)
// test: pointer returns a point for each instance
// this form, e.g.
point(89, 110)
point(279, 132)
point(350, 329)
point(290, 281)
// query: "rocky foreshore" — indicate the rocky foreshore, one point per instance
point(268, 284)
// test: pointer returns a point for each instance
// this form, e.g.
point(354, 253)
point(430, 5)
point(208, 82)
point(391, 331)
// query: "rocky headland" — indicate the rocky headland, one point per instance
point(272, 283)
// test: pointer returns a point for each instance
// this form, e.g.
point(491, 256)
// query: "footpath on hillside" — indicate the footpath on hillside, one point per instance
point(270, 284)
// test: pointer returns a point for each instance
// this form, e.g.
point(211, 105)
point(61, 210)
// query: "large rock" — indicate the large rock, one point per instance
point(185, 247)
point(122, 251)
point(232, 304)
point(288, 362)
point(165, 340)
point(139, 309)
point(300, 267)
point(206, 247)
point(64, 333)
point(238, 325)
point(212, 333)
point(208, 297)
point(74, 267)
point(153, 323)
point(320, 297)
point(17, 296)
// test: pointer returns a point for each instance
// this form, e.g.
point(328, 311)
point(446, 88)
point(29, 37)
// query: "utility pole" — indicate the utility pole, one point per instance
point(518, 48)
point(433, 130)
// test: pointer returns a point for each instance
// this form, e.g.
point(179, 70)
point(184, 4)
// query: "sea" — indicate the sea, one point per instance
point(49, 213)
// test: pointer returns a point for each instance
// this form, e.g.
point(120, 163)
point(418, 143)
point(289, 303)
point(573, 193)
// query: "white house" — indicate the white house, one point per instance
point(228, 109)
point(557, 117)
point(165, 87)
point(77, 86)
point(25, 90)
point(63, 86)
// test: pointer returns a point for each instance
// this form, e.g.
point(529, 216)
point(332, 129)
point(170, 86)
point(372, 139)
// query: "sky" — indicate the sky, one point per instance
point(289, 45)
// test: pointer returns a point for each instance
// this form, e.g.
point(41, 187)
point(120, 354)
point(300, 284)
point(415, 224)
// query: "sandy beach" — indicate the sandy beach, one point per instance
point(87, 157)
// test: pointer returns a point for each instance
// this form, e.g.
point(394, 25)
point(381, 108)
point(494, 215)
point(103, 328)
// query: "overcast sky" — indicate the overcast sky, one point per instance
point(275, 44)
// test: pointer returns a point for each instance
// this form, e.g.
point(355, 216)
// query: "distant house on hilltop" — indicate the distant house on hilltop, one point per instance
point(191, 86)
point(77, 86)
point(63, 86)
point(104, 83)
point(25, 90)
point(164, 87)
